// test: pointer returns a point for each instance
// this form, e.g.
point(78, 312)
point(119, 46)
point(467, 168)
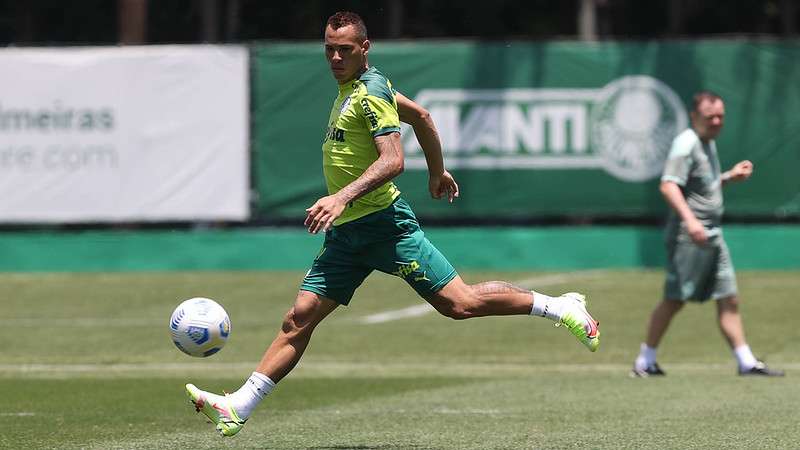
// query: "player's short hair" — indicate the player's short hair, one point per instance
point(703, 96)
point(345, 18)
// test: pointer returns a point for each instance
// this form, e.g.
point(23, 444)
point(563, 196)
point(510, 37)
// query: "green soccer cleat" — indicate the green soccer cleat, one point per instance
point(579, 322)
point(217, 408)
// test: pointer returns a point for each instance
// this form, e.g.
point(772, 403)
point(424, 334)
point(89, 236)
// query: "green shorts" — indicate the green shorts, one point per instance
point(390, 241)
point(699, 273)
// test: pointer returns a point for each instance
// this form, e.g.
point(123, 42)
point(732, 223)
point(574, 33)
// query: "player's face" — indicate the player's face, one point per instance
point(708, 118)
point(346, 55)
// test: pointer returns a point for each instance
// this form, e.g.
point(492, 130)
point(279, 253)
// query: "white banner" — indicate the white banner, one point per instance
point(115, 134)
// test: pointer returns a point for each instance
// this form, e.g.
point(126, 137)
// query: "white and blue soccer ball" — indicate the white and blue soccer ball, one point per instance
point(199, 327)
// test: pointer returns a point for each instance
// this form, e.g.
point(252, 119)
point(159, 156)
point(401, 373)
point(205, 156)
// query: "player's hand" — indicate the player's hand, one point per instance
point(320, 215)
point(443, 185)
point(741, 171)
point(697, 232)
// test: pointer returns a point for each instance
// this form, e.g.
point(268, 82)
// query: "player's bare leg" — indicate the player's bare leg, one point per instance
point(229, 412)
point(285, 351)
point(730, 323)
point(660, 319)
point(645, 364)
point(459, 300)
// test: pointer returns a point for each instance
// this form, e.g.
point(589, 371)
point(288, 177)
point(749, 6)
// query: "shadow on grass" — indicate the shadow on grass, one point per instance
point(306, 393)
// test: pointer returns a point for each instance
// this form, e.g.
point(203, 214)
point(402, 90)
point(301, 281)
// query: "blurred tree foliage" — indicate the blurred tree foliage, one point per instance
point(97, 22)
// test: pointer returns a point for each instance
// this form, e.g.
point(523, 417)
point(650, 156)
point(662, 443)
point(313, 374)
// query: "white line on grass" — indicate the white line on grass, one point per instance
point(475, 411)
point(386, 316)
point(80, 322)
point(96, 322)
point(560, 278)
point(397, 314)
point(527, 283)
point(353, 369)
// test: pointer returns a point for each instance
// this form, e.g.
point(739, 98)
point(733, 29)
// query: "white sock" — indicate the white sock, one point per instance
point(546, 306)
point(250, 394)
point(744, 356)
point(646, 358)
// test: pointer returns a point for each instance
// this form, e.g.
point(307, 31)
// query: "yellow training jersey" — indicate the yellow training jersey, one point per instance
point(365, 108)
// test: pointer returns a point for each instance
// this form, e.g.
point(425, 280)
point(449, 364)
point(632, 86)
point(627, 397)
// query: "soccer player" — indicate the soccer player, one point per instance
point(368, 226)
point(699, 265)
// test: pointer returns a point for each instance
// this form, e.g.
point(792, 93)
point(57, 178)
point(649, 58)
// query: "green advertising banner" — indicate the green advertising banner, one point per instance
point(534, 130)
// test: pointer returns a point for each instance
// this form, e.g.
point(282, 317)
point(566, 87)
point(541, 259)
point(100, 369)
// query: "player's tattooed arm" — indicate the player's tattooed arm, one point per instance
point(440, 182)
point(322, 214)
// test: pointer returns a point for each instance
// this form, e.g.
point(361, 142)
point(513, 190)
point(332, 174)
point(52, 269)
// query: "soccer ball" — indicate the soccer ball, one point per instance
point(199, 327)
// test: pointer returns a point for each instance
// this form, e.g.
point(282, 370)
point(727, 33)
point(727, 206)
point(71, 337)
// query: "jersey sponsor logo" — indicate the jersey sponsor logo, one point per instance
point(344, 106)
point(424, 277)
point(369, 114)
point(334, 134)
point(625, 128)
point(404, 270)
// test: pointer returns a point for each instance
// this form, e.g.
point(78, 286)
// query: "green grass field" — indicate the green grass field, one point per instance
point(87, 362)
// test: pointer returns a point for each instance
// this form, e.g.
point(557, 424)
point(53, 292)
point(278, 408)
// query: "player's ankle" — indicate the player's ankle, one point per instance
point(646, 358)
point(547, 306)
point(247, 397)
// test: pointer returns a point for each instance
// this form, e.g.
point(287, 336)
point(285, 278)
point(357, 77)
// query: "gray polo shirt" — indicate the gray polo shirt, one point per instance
point(694, 166)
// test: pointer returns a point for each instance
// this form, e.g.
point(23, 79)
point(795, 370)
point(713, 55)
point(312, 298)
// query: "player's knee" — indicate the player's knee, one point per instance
point(455, 309)
point(455, 312)
point(672, 306)
point(729, 304)
point(291, 325)
point(298, 318)
point(456, 300)
point(732, 300)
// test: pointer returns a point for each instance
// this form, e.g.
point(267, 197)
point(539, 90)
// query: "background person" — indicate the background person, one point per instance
point(699, 265)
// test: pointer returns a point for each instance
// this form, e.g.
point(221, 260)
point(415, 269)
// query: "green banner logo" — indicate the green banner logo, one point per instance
point(624, 128)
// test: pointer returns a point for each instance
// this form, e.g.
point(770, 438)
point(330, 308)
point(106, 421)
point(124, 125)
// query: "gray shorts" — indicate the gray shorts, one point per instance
point(699, 273)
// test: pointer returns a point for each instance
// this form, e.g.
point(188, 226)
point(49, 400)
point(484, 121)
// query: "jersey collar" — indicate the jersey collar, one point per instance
point(350, 85)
